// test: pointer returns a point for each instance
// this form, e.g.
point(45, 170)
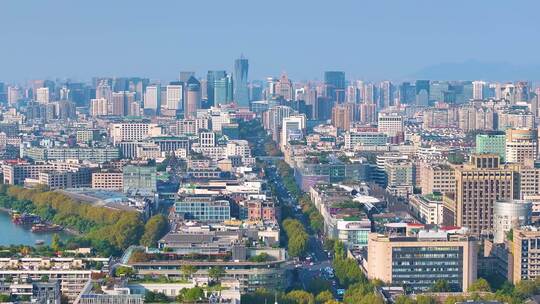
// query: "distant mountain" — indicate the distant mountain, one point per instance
point(476, 70)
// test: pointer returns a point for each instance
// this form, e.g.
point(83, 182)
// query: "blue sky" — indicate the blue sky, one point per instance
point(157, 39)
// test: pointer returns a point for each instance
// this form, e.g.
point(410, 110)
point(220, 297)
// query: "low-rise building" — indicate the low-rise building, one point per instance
point(428, 208)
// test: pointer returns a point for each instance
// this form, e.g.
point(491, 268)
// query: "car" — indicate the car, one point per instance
point(311, 264)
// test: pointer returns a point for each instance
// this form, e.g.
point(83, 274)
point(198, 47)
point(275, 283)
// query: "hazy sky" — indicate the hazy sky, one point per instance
point(157, 39)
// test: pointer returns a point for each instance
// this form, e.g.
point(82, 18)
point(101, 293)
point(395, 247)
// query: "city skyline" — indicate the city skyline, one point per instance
point(383, 40)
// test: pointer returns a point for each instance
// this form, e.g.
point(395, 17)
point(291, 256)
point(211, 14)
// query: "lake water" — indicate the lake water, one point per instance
point(11, 234)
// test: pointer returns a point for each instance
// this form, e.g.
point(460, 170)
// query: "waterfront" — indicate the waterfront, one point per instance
point(17, 235)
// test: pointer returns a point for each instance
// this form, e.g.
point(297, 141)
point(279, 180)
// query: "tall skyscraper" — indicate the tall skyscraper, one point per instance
point(422, 92)
point(241, 92)
point(343, 115)
point(284, 87)
point(478, 89)
point(334, 82)
point(185, 76)
point(386, 94)
point(211, 77)
point(118, 104)
point(152, 98)
point(193, 100)
point(223, 90)
point(43, 95)
point(13, 95)
point(175, 96)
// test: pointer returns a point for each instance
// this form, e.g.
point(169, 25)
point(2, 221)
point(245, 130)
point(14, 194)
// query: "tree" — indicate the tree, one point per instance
point(188, 270)
point(526, 288)
point(156, 297)
point(4, 298)
point(56, 243)
point(480, 285)
point(124, 271)
point(215, 273)
point(422, 299)
point(356, 292)
point(154, 229)
point(259, 296)
point(324, 297)
point(300, 297)
point(348, 272)
point(138, 256)
point(191, 294)
point(318, 285)
point(339, 250)
point(262, 257)
point(441, 286)
point(402, 299)
point(372, 299)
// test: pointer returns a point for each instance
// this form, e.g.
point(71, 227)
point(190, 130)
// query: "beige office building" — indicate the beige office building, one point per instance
point(479, 185)
point(108, 180)
point(437, 178)
point(521, 146)
point(526, 253)
point(418, 262)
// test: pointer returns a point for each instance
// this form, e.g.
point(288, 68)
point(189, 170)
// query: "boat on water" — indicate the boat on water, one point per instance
point(25, 219)
point(40, 242)
point(46, 228)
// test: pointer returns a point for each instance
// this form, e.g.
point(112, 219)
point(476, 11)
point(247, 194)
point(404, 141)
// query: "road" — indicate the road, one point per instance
point(319, 258)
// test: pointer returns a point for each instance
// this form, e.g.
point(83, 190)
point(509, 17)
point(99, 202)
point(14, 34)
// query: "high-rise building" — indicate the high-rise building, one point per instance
point(14, 94)
point(334, 82)
point(478, 89)
point(223, 90)
point(391, 124)
point(241, 91)
point(407, 93)
point(491, 143)
point(193, 97)
point(103, 90)
point(343, 115)
point(521, 146)
point(120, 103)
point(175, 96)
point(422, 92)
point(284, 87)
point(99, 107)
point(211, 77)
point(186, 75)
point(368, 93)
point(386, 94)
point(522, 91)
point(292, 128)
point(437, 178)
point(273, 119)
point(43, 95)
point(525, 252)
point(479, 184)
point(400, 177)
point(411, 260)
point(152, 98)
